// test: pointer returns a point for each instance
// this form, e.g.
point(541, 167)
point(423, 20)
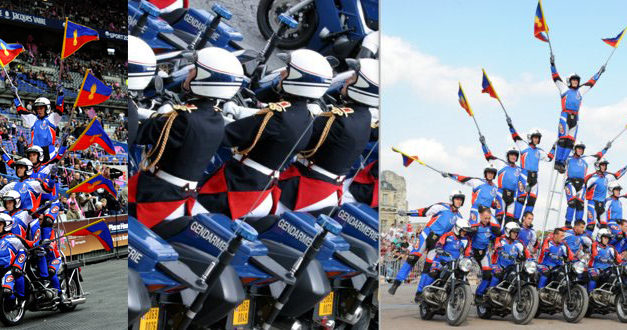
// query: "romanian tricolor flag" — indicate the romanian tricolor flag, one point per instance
point(98, 229)
point(75, 36)
point(463, 101)
point(93, 133)
point(8, 52)
point(92, 92)
point(539, 24)
point(407, 159)
point(94, 183)
point(487, 87)
point(616, 40)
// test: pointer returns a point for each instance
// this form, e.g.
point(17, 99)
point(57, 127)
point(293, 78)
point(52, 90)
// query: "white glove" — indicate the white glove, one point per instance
point(232, 110)
point(165, 108)
point(314, 108)
point(144, 113)
point(374, 113)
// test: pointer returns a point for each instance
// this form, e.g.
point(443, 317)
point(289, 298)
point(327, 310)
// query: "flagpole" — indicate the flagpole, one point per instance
point(619, 134)
point(11, 83)
point(608, 59)
point(476, 125)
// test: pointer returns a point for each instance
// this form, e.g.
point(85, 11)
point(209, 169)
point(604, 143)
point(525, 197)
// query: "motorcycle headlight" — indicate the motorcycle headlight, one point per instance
point(579, 267)
point(531, 266)
point(465, 264)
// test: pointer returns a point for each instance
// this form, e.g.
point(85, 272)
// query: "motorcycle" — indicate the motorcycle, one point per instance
point(328, 27)
point(39, 295)
point(515, 294)
point(611, 296)
point(564, 293)
point(450, 294)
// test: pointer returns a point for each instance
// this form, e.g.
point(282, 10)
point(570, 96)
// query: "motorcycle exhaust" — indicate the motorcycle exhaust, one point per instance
point(328, 225)
point(353, 317)
point(356, 311)
point(78, 301)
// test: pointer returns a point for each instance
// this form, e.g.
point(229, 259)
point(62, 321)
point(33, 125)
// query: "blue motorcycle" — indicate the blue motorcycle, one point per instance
point(328, 27)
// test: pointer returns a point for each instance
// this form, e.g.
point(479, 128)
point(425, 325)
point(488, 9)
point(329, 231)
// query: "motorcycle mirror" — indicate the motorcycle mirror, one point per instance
point(353, 64)
point(158, 85)
point(333, 61)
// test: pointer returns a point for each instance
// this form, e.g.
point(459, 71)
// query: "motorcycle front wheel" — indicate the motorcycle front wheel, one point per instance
point(268, 13)
point(524, 311)
point(11, 313)
point(458, 305)
point(621, 308)
point(575, 307)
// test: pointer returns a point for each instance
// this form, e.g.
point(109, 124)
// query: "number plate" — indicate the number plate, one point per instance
point(241, 313)
point(325, 307)
point(150, 320)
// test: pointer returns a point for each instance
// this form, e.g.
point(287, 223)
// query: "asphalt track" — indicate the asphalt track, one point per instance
point(106, 303)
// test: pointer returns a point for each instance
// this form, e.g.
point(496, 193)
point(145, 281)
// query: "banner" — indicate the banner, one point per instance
point(85, 244)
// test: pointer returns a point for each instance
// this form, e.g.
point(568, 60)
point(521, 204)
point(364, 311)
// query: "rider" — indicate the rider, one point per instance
point(553, 253)
point(443, 218)
point(30, 189)
point(484, 232)
point(339, 136)
point(450, 246)
point(247, 184)
point(619, 233)
point(507, 248)
point(613, 206)
point(12, 259)
point(603, 254)
point(45, 172)
point(166, 188)
point(24, 225)
point(578, 239)
point(484, 191)
point(577, 168)
point(527, 233)
point(571, 96)
point(596, 192)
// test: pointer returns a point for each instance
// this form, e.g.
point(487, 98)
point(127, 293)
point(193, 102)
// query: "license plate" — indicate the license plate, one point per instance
point(325, 307)
point(241, 313)
point(150, 320)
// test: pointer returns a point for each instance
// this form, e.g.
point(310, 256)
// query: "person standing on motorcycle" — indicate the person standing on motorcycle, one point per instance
point(339, 136)
point(23, 223)
point(509, 181)
point(12, 260)
point(484, 191)
point(553, 253)
point(483, 234)
point(30, 189)
point(613, 206)
point(603, 255)
point(596, 192)
point(576, 172)
point(450, 246)
point(443, 218)
point(507, 248)
point(571, 96)
point(184, 137)
point(527, 233)
point(247, 184)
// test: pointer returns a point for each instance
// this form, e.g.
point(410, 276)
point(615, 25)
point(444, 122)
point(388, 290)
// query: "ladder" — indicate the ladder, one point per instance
point(556, 192)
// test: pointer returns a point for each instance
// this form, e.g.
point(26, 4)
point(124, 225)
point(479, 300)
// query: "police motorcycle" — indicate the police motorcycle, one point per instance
point(39, 295)
point(338, 28)
point(565, 293)
point(611, 296)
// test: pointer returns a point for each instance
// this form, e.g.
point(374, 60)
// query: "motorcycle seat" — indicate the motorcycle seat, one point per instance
point(171, 227)
point(263, 224)
point(173, 16)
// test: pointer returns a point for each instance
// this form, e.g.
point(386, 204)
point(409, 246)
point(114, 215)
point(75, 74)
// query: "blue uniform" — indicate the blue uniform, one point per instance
point(596, 194)
point(614, 209)
point(42, 130)
point(574, 187)
point(480, 240)
point(602, 257)
point(552, 255)
point(577, 243)
point(506, 251)
point(484, 193)
point(529, 237)
point(30, 191)
point(12, 254)
point(509, 181)
point(619, 239)
point(454, 246)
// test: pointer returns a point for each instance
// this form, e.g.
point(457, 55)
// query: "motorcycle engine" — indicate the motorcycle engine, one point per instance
point(602, 298)
point(437, 296)
point(501, 297)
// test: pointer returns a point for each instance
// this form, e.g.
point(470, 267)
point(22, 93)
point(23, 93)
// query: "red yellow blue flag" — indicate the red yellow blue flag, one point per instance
point(487, 87)
point(8, 52)
point(94, 183)
point(98, 229)
point(539, 24)
point(75, 36)
point(463, 101)
point(93, 133)
point(92, 91)
point(407, 159)
point(616, 40)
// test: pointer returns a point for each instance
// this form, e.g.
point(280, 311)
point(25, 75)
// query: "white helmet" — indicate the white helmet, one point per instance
point(309, 74)
point(598, 163)
point(613, 185)
point(366, 89)
point(8, 222)
point(603, 232)
point(457, 194)
point(27, 163)
point(37, 150)
point(461, 224)
point(42, 101)
point(219, 74)
point(142, 64)
point(12, 195)
point(511, 226)
point(532, 133)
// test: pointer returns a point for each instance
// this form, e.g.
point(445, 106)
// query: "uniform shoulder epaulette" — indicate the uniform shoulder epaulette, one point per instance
point(342, 111)
point(279, 106)
point(184, 107)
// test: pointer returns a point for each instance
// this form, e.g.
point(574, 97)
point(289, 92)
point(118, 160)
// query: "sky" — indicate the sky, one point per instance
point(428, 46)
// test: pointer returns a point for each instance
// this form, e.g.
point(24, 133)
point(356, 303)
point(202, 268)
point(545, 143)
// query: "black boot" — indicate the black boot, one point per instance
point(395, 285)
point(418, 298)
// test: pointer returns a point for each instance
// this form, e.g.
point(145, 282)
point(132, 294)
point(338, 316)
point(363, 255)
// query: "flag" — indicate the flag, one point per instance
point(92, 91)
point(93, 133)
point(616, 40)
point(75, 36)
point(539, 24)
point(463, 101)
point(486, 86)
point(407, 159)
point(98, 229)
point(8, 52)
point(92, 184)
